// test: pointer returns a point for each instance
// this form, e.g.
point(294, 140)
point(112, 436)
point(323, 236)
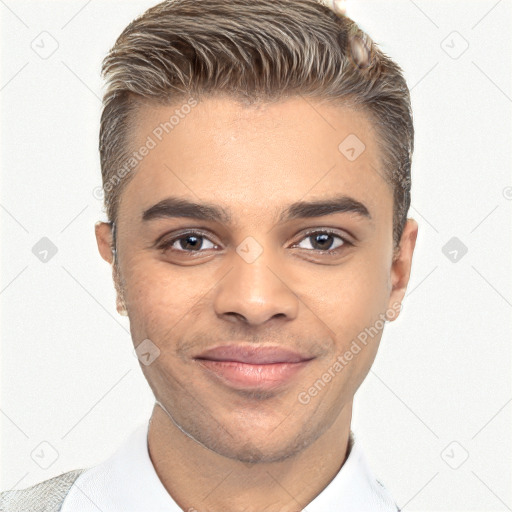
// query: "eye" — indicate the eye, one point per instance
point(191, 241)
point(322, 241)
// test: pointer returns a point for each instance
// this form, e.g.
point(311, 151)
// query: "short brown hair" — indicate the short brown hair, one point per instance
point(254, 50)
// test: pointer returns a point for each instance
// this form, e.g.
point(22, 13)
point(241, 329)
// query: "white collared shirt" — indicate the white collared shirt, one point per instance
point(128, 482)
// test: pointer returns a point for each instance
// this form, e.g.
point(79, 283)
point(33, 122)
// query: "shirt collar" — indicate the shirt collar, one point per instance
point(128, 482)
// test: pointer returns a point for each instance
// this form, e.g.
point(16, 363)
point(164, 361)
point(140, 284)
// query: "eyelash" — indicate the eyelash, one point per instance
point(167, 244)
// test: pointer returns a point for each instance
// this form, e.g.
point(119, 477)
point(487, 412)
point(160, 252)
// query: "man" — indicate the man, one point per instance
point(256, 166)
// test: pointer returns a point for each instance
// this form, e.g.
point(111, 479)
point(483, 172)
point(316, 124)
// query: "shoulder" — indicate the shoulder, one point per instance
point(46, 496)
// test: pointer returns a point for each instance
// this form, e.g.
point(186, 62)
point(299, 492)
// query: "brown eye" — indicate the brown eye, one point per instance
point(323, 241)
point(187, 242)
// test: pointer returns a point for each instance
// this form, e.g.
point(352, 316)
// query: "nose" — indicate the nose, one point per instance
point(255, 293)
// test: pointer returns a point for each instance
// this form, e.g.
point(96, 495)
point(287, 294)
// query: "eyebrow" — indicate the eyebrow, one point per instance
point(172, 207)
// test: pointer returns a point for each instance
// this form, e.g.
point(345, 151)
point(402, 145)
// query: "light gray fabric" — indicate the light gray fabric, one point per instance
point(45, 496)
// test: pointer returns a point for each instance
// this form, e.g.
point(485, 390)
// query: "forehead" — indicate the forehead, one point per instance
point(252, 160)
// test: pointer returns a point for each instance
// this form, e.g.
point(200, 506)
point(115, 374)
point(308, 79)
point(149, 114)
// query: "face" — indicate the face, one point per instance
point(253, 300)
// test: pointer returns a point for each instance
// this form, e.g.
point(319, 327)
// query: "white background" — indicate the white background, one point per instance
point(440, 388)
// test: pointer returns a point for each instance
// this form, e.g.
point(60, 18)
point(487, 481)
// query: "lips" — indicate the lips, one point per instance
point(250, 367)
point(253, 355)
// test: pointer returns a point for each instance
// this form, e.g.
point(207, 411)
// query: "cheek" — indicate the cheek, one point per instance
point(352, 308)
point(373, 267)
point(357, 292)
point(156, 297)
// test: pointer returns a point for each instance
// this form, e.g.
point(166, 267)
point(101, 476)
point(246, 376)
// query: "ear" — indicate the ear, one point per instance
point(104, 240)
point(401, 266)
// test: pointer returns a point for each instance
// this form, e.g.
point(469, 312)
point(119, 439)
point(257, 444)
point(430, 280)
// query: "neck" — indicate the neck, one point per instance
point(199, 479)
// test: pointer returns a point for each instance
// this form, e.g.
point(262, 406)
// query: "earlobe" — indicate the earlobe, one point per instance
point(103, 233)
point(401, 265)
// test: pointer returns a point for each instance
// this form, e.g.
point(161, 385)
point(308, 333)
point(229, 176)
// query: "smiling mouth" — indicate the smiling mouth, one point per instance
point(249, 367)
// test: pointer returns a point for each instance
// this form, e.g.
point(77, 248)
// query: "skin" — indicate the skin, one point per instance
point(216, 448)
